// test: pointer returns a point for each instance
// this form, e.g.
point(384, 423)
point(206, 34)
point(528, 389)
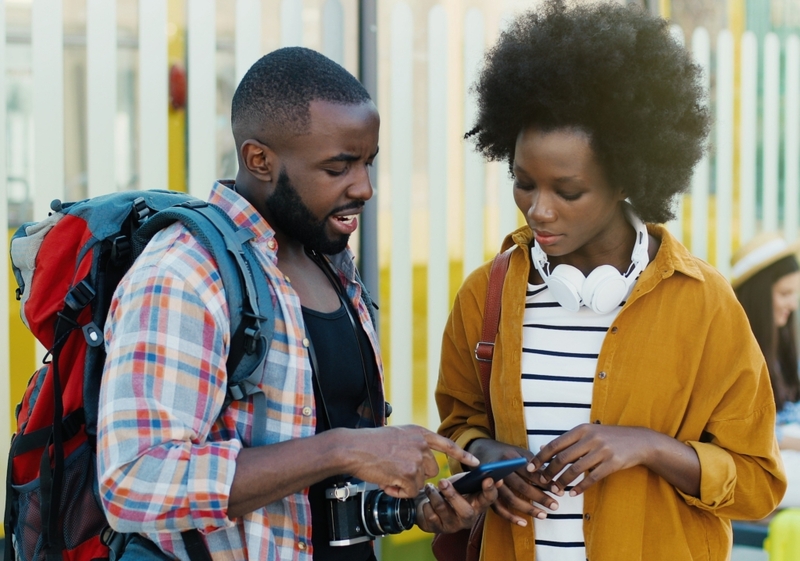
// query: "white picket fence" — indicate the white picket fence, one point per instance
point(438, 201)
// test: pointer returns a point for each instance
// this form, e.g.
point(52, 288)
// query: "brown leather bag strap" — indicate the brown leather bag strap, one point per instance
point(484, 350)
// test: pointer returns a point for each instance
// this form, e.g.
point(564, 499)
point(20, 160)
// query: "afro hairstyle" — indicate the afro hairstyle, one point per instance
point(275, 93)
point(611, 70)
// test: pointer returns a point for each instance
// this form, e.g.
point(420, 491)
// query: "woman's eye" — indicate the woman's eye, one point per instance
point(523, 186)
point(571, 196)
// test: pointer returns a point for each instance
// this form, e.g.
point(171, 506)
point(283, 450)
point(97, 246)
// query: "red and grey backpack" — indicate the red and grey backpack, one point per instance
point(67, 267)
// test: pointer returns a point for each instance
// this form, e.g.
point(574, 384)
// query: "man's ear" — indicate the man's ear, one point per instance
point(259, 159)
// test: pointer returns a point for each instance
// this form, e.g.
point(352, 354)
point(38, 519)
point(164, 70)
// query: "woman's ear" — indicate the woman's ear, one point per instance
point(259, 159)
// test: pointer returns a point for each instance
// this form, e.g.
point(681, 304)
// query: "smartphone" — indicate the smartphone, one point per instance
point(471, 482)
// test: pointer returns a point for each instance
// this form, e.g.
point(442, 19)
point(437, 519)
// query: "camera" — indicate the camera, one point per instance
point(359, 511)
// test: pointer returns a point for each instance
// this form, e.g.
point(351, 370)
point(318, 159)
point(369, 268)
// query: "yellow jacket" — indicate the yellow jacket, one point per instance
point(679, 359)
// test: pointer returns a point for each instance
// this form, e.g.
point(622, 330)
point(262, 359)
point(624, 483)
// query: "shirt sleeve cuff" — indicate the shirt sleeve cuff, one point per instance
point(463, 441)
point(211, 472)
point(717, 477)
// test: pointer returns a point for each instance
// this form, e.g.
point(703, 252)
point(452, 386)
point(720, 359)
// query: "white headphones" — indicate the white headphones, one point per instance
point(605, 288)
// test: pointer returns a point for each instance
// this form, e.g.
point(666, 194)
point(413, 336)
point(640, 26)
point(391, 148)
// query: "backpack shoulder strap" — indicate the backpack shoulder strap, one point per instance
point(252, 317)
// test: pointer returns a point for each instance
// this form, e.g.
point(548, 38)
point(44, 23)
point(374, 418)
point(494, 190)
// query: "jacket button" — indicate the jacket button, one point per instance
point(602, 375)
point(587, 516)
point(614, 330)
point(597, 422)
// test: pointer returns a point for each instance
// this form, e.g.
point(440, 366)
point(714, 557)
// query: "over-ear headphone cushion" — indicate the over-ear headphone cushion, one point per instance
point(604, 289)
point(565, 284)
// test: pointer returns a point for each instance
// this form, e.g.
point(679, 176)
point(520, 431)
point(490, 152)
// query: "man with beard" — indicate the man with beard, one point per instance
point(171, 458)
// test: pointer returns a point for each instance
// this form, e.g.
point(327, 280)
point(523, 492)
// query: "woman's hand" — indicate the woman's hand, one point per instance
point(519, 492)
point(445, 510)
point(600, 450)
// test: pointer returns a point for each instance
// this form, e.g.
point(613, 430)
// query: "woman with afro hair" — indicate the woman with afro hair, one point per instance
point(624, 368)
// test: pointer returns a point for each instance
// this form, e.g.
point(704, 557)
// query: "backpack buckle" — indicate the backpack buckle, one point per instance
point(251, 335)
point(120, 248)
point(80, 295)
point(140, 209)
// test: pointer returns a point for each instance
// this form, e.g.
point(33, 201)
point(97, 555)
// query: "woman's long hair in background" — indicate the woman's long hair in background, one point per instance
point(779, 345)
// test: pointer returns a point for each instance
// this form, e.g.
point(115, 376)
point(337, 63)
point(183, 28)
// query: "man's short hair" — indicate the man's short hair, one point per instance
point(275, 93)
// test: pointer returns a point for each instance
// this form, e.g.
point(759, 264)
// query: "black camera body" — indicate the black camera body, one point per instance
point(359, 511)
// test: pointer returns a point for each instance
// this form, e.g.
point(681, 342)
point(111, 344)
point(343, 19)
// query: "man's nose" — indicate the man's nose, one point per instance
point(362, 189)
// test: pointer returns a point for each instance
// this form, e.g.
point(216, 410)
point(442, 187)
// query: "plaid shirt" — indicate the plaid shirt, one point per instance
point(166, 450)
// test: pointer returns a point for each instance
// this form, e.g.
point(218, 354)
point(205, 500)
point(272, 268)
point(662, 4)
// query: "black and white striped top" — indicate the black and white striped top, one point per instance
point(559, 358)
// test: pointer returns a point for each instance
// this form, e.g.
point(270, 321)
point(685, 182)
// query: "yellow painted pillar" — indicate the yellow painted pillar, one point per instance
point(176, 54)
point(22, 347)
point(665, 8)
point(737, 25)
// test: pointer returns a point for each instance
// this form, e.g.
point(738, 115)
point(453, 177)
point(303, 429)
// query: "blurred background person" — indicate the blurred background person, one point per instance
point(766, 279)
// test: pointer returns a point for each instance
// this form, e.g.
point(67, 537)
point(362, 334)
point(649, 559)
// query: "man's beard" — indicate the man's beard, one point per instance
point(292, 217)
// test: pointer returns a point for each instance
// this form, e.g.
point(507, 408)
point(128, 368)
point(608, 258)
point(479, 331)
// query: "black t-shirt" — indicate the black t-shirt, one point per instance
point(343, 382)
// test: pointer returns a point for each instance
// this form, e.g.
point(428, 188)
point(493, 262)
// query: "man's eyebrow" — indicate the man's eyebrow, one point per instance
point(345, 157)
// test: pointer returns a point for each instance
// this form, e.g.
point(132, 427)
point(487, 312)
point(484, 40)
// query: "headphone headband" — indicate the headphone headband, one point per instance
point(606, 288)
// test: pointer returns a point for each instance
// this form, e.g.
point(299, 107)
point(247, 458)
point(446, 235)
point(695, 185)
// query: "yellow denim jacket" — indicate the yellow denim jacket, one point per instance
point(679, 359)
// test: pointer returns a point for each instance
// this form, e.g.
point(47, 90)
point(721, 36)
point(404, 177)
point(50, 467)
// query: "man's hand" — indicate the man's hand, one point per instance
point(520, 493)
point(396, 459)
point(445, 510)
point(400, 459)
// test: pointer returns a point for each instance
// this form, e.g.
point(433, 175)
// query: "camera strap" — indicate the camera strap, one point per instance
point(323, 264)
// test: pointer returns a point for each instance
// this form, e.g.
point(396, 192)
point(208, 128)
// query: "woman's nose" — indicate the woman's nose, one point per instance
point(541, 210)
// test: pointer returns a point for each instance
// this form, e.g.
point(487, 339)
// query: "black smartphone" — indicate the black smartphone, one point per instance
point(471, 482)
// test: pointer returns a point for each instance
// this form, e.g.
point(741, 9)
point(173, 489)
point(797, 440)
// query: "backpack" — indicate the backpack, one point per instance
point(67, 267)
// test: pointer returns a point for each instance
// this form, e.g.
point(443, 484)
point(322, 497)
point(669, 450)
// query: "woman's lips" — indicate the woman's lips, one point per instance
point(546, 238)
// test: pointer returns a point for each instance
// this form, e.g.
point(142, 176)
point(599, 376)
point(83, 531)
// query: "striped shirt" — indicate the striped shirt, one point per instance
point(559, 358)
point(166, 456)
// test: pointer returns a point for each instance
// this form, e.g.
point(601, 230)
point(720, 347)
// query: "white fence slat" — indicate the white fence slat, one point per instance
point(675, 226)
point(724, 145)
point(401, 117)
point(509, 213)
point(701, 49)
point(748, 137)
point(101, 94)
point(153, 95)
point(438, 259)
point(248, 35)
point(791, 158)
point(47, 38)
point(771, 133)
point(201, 114)
point(291, 23)
point(333, 31)
point(474, 166)
point(5, 351)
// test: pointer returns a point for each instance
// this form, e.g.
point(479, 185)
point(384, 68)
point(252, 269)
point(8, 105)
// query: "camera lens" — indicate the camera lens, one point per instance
point(387, 515)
